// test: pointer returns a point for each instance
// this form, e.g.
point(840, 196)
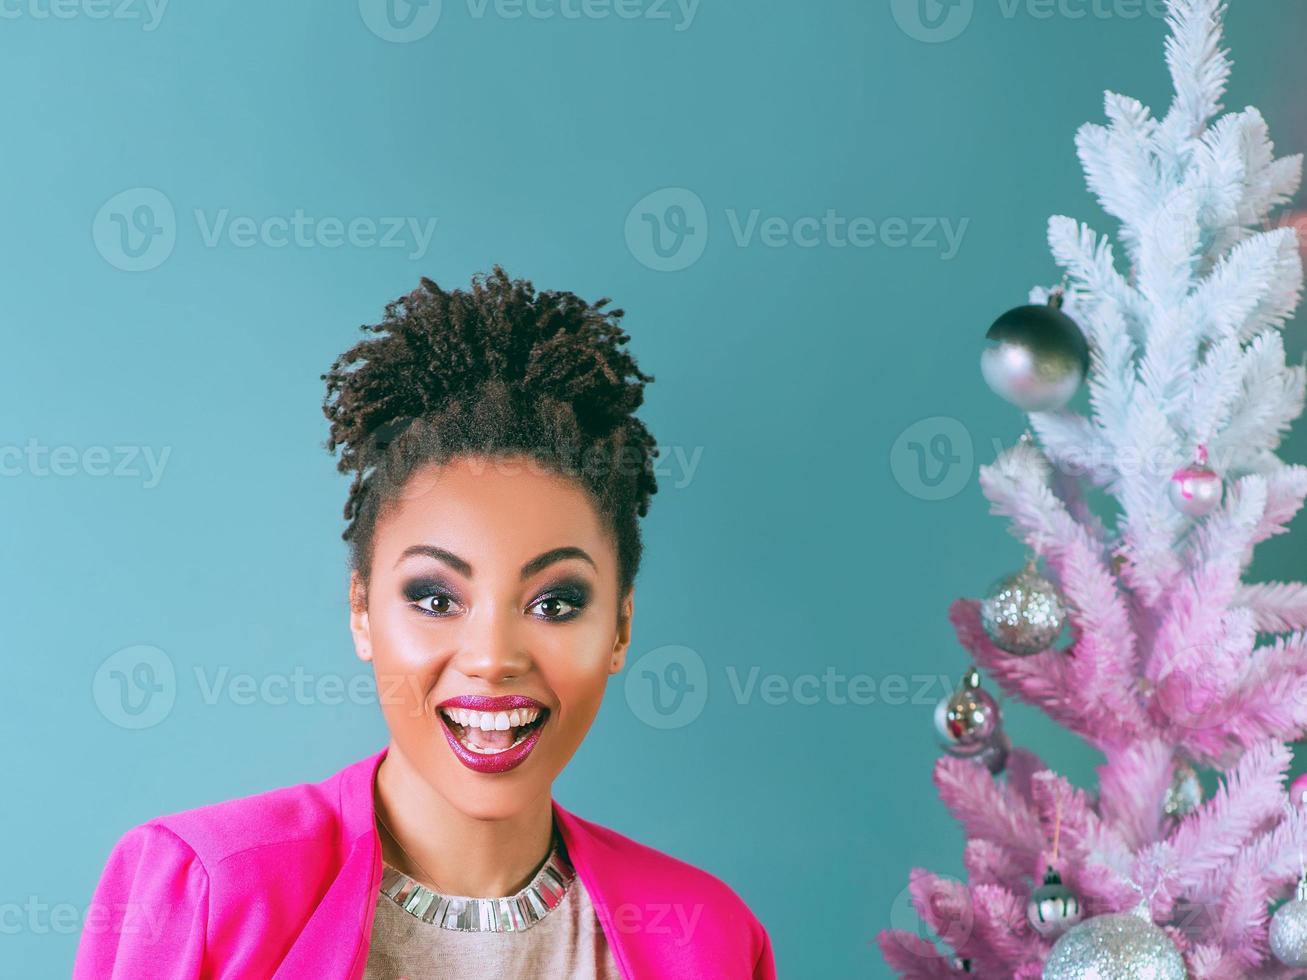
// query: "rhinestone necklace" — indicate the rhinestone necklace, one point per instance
point(511, 913)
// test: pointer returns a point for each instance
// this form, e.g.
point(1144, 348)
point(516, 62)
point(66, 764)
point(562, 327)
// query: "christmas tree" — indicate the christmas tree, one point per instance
point(1173, 663)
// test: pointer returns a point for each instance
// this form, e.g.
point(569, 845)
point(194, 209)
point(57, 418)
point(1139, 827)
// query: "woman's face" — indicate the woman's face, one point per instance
point(492, 622)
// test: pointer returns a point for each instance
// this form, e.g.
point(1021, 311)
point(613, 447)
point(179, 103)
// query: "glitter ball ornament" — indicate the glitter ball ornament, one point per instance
point(1053, 907)
point(968, 718)
point(1116, 946)
point(1040, 356)
point(1196, 490)
point(1185, 792)
point(1023, 613)
point(1289, 929)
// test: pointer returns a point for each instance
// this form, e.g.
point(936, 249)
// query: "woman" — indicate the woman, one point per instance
point(499, 473)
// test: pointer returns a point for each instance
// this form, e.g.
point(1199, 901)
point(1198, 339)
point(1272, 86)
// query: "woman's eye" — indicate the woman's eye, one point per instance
point(557, 607)
point(437, 604)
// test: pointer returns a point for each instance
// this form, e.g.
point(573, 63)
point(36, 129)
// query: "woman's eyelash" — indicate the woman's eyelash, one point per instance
point(576, 595)
point(418, 591)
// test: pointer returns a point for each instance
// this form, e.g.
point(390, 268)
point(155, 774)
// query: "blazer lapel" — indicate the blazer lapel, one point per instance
point(334, 941)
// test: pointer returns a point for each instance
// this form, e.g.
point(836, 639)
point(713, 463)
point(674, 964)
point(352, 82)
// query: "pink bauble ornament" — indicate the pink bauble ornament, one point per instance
point(1196, 490)
point(1298, 790)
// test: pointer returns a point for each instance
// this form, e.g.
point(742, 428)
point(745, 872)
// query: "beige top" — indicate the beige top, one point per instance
point(567, 942)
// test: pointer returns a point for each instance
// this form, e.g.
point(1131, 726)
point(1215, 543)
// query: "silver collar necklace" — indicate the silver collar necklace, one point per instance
point(512, 913)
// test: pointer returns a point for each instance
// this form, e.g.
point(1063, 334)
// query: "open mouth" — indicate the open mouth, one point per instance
point(492, 734)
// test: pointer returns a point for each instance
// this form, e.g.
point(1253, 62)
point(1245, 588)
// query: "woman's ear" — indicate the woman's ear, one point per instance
point(358, 617)
point(623, 640)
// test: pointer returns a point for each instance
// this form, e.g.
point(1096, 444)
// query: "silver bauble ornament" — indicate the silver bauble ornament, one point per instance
point(1040, 356)
point(1196, 490)
point(1185, 792)
point(1053, 907)
point(967, 719)
point(1289, 929)
point(1023, 613)
point(1116, 946)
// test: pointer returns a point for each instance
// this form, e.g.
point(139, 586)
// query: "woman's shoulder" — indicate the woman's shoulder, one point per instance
point(626, 858)
point(658, 896)
point(285, 815)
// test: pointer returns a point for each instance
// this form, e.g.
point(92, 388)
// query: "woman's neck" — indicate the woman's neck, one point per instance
point(448, 850)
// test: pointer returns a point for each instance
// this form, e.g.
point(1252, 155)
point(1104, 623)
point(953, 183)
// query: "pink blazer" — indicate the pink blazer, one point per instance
point(283, 884)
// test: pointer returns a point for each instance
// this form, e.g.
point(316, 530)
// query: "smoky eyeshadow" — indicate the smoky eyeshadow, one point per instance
point(420, 588)
point(574, 590)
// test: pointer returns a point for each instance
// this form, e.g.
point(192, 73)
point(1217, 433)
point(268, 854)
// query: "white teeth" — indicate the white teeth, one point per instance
point(492, 721)
point(485, 751)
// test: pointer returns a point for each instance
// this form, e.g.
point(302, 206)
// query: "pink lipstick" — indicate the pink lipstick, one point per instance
point(492, 734)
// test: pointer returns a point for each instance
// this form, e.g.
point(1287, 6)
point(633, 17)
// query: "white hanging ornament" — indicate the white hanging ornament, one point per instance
point(1196, 490)
point(968, 720)
point(1289, 928)
point(1053, 907)
point(1115, 946)
point(1023, 613)
point(1040, 358)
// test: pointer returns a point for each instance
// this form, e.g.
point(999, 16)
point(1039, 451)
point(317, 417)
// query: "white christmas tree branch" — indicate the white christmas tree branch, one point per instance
point(1278, 607)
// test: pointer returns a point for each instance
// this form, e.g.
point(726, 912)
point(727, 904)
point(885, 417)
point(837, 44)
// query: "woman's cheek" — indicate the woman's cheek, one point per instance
point(404, 656)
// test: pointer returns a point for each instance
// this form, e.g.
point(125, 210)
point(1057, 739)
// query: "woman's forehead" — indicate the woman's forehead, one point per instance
point(503, 507)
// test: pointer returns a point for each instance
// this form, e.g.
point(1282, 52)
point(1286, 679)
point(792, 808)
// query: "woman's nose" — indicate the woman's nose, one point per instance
point(493, 647)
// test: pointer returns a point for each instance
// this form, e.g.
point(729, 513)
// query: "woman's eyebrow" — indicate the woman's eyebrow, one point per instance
point(440, 554)
point(461, 566)
point(555, 554)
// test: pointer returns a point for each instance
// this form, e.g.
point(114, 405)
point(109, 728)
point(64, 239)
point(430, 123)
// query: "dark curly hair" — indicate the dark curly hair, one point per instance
point(494, 370)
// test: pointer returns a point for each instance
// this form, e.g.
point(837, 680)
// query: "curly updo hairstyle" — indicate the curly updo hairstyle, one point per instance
point(495, 370)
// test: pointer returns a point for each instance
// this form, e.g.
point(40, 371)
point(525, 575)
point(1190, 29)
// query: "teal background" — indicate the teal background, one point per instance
point(793, 549)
